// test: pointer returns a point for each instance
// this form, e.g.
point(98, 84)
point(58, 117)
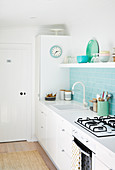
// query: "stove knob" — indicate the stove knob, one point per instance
point(85, 139)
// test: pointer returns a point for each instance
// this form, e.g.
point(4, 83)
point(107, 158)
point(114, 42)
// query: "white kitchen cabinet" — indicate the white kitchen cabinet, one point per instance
point(46, 129)
point(51, 134)
point(63, 160)
point(55, 135)
point(49, 77)
point(41, 125)
point(64, 148)
point(98, 165)
point(106, 157)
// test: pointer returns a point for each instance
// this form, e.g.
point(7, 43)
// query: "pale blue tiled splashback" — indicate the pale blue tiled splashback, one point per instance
point(96, 80)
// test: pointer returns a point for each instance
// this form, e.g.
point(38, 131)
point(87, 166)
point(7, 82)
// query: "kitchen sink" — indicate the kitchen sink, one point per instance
point(66, 107)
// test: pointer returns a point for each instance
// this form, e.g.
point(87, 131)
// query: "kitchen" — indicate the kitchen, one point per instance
point(81, 26)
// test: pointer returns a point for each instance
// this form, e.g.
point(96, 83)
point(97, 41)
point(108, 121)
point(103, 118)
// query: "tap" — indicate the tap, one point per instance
point(84, 102)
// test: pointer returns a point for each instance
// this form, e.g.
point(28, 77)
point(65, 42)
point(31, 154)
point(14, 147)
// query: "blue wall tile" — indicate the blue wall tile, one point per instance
point(96, 80)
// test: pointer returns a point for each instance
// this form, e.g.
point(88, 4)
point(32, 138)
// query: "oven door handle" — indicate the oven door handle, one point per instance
point(85, 153)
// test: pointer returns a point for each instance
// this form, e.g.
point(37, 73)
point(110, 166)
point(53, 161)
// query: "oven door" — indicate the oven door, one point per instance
point(81, 156)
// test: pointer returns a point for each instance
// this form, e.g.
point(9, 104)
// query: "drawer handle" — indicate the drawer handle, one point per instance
point(63, 130)
point(42, 127)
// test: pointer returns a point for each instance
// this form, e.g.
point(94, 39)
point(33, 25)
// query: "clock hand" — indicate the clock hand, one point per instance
point(56, 52)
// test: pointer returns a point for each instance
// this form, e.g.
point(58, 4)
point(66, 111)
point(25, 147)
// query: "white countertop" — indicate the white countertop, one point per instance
point(74, 114)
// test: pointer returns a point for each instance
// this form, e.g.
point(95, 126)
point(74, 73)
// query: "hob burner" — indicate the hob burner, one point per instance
point(99, 126)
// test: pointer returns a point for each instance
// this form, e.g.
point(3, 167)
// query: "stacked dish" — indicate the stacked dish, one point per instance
point(104, 56)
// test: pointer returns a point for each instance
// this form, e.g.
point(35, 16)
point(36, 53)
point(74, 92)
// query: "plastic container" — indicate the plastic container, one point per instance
point(103, 108)
point(82, 59)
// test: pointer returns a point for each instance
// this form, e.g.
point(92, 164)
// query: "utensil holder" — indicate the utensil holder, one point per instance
point(103, 108)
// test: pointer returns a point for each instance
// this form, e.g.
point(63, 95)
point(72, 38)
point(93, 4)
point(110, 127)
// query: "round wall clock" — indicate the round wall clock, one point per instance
point(55, 51)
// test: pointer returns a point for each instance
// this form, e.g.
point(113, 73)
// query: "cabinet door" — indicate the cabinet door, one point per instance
point(64, 140)
point(43, 129)
point(41, 125)
point(51, 134)
point(98, 165)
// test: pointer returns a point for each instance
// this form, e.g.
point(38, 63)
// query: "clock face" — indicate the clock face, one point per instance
point(56, 51)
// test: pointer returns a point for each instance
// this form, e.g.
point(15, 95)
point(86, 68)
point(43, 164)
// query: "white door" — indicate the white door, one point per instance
point(14, 79)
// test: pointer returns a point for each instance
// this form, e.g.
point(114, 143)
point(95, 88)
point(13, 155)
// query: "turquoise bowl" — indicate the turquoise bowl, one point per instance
point(82, 59)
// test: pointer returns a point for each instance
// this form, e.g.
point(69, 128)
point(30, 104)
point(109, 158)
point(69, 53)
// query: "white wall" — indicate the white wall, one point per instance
point(92, 18)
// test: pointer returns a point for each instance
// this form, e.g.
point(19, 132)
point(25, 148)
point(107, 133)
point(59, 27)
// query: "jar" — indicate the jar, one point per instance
point(62, 94)
point(95, 106)
point(113, 55)
point(67, 94)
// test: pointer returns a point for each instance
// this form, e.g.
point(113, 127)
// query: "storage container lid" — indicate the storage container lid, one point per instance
point(67, 90)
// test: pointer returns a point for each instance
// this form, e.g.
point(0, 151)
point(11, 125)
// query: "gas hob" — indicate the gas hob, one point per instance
point(99, 126)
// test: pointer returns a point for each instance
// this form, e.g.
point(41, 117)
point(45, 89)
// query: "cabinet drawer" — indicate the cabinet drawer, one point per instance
point(65, 126)
point(63, 160)
point(65, 141)
point(42, 108)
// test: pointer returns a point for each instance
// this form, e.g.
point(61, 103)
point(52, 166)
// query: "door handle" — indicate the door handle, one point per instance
point(22, 93)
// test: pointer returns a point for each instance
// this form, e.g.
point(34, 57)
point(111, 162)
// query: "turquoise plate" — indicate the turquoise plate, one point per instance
point(92, 47)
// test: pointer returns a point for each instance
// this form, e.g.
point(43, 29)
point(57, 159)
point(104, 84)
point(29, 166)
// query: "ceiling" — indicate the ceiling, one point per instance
point(48, 12)
point(32, 12)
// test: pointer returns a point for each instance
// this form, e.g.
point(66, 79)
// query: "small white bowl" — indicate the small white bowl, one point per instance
point(104, 58)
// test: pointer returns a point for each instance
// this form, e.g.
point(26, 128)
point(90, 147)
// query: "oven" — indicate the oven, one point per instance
point(81, 156)
point(83, 151)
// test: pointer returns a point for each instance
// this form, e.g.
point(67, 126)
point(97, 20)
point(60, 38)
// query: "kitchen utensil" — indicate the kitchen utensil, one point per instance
point(82, 59)
point(92, 47)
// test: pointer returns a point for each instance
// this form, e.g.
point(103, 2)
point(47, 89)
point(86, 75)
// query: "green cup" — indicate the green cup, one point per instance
point(103, 108)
